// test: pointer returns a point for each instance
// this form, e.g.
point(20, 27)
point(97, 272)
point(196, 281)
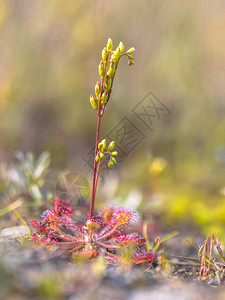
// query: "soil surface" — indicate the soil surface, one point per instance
point(37, 273)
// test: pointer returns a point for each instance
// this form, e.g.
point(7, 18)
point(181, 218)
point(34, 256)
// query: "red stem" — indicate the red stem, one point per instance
point(96, 143)
point(95, 163)
point(96, 181)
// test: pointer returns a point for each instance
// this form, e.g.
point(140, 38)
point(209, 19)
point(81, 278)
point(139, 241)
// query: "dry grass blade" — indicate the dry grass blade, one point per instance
point(11, 207)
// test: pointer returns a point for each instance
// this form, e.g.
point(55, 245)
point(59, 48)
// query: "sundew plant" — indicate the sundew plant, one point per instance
point(101, 233)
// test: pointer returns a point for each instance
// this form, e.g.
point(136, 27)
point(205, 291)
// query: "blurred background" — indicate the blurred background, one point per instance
point(50, 51)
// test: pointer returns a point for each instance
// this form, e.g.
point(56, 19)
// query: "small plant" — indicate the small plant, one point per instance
point(26, 178)
point(210, 266)
point(101, 233)
point(211, 260)
point(21, 187)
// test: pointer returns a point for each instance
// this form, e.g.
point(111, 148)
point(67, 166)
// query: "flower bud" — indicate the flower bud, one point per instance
point(113, 56)
point(117, 52)
point(94, 102)
point(116, 55)
point(102, 155)
point(110, 164)
point(104, 54)
point(131, 50)
point(111, 71)
point(103, 144)
point(114, 160)
point(157, 239)
point(114, 153)
point(101, 68)
point(212, 239)
point(130, 62)
point(111, 146)
point(121, 47)
point(130, 57)
point(97, 89)
point(109, 45)
point(104, 97)
point(108, 82)
point(97, 158)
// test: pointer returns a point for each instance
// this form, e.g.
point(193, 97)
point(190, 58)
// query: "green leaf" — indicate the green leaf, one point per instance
point(35, 192)
point(25, 163)
point(193, 245)
point(188, 258)
point(11, 207)
point(18, 215)
point(167, 237)
point(145, 234)
point(42, 164)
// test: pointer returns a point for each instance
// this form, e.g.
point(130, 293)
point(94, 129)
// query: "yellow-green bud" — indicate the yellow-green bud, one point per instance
point(111, 146)
point(101, 68)
point(108, 82)
point(102, 155)
point(130, 57)
point(97, 158)
point(109, 45)
point(113, 160)
point(103, 144)
point(94, 102)
point(111, 71)
point(104, 97)
point(117, 52)
point(114, 153)
point(97, 89)
point(131, 50)
point(130, 62)
point(121, 47)
point(110, 164)
point(104, 54)
point(116, 55)
point(113, 56)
